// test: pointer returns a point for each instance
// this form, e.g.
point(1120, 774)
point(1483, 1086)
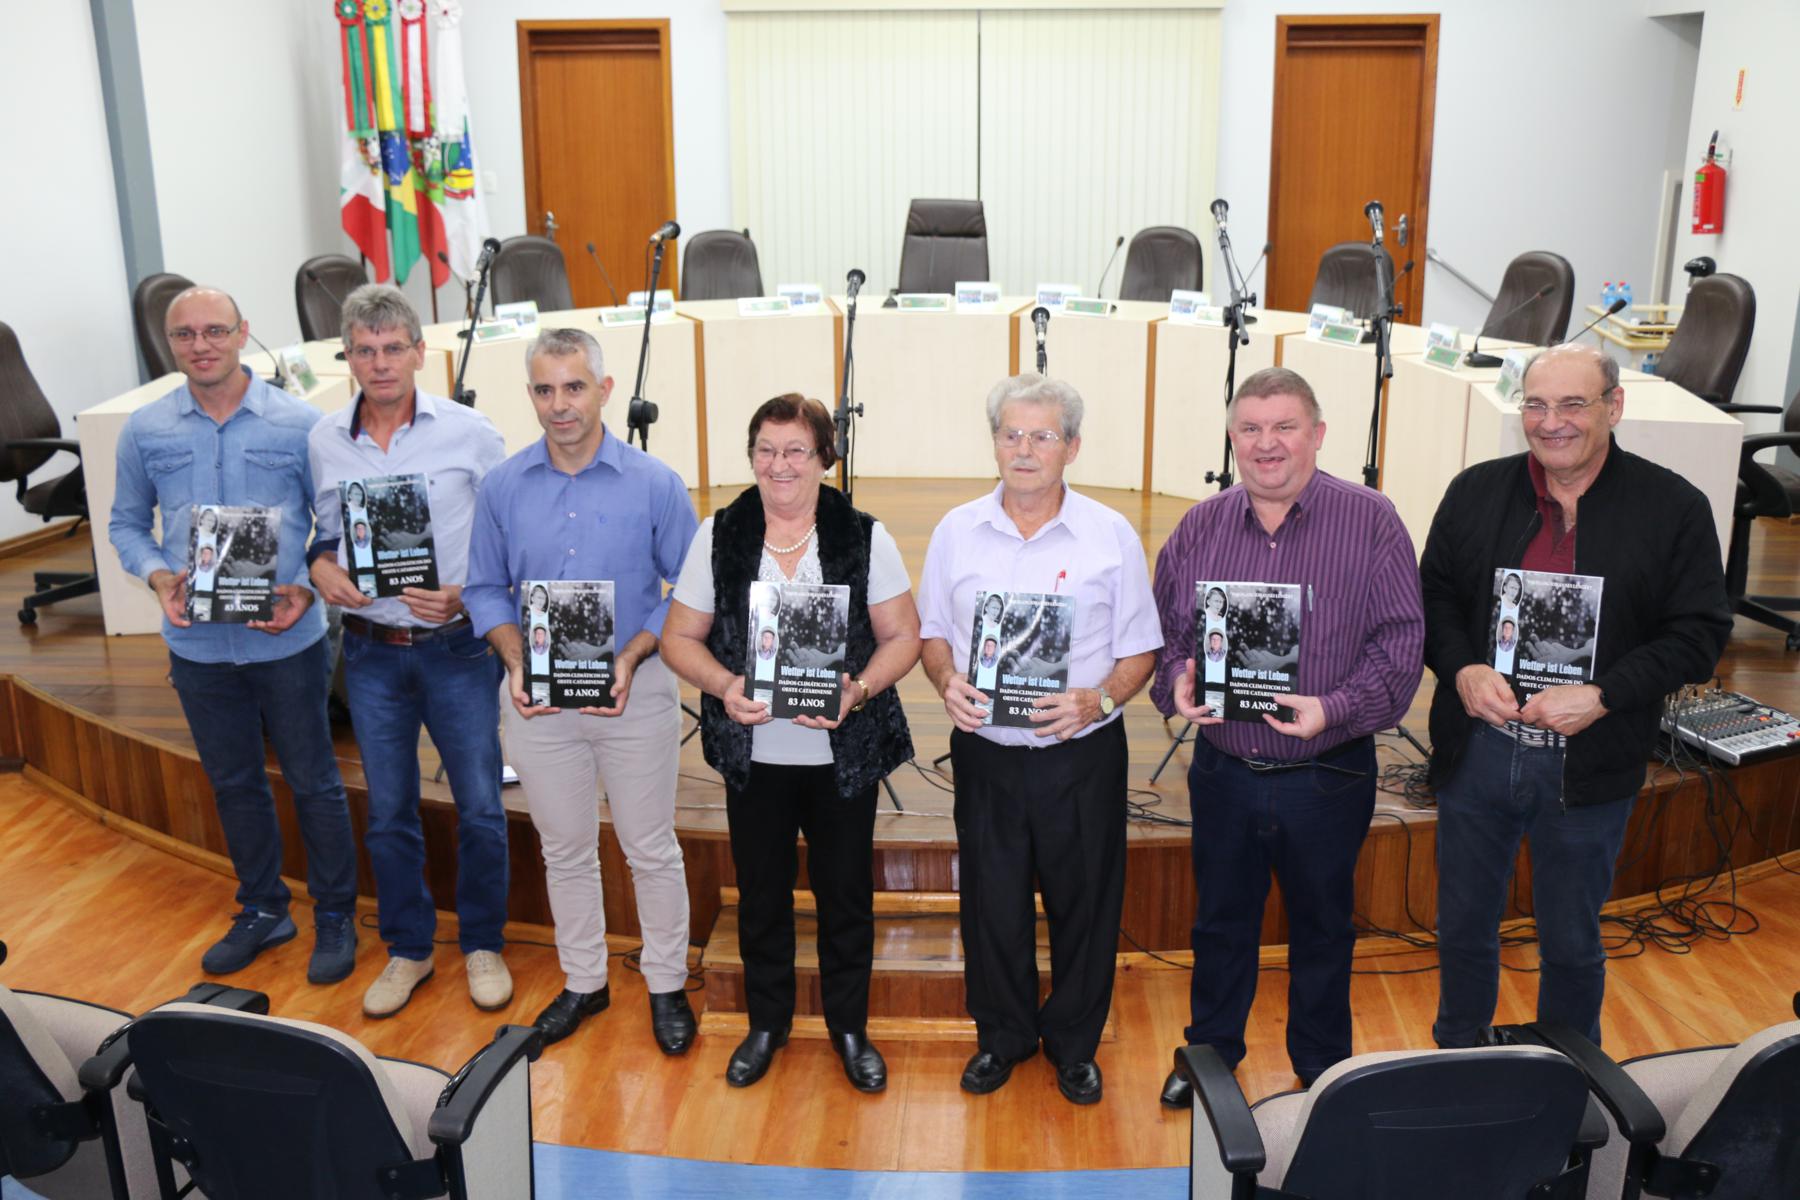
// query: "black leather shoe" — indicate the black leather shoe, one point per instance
point(672, 1021)
point(1177, 1091)
point(567, 1011)
point(750, 1061)
point(863, 1065)
point(987, 1071)
point(1079, 1082)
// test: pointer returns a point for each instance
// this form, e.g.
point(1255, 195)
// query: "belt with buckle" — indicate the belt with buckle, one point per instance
point(401, 635)
point(1327, 761)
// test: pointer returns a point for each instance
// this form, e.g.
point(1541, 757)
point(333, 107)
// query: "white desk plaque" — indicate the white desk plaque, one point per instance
point(1087, 306)
point(623, 314)
point(1443, 335)
point(941, 302)
point(764, 306)
point(977, 297)
point(802, 297)
point(1344, 333)
point(496, 331)
point(522, 313)
point(1511, 383)
point(1183, 304)
point(1052, 295)
point(1321, 314)
point(301, 380)
point(665, 305)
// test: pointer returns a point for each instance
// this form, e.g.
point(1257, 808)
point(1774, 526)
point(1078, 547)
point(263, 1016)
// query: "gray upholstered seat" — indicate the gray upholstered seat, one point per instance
point(1159, 260)
point(1347, 278)
point(946, 242)
point(720, 264)
point(320, 287)
point(1542, 322)
point(1707, 351)
point(529, 267)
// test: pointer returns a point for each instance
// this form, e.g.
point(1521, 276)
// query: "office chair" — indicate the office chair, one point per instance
point(720, 264)
point(321, 304)
point(946, 241)
point(1159, 260)
point(529, 267)
point(1707, 351)
point(1346, 278)
point(1764, 490)
point(149, 307)
point(1543, 322)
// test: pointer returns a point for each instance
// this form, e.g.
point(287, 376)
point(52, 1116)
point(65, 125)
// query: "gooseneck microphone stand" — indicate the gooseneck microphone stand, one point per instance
point(483, 265)
point(1380, 326)
point(641, 414)
point(845, 416)
point(1237, 334)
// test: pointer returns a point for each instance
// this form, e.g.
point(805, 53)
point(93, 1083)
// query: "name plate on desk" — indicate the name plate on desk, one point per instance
point(496, 331)
point(1322, 315)
point(1443, 335)
point(665, 305)
point(1342, 332)
point(296, 370)
point(939, 302)
point(1512, 374)
point(1447, 357)
point(623, 314)
point(1052, 295)
point(1194, 308)
point(974, 297)
point(802, 297)
point(522, 313)
point(764, 306)
point(1087, 306)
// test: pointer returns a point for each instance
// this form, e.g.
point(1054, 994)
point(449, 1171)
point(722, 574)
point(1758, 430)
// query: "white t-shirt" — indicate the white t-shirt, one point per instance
point(783, 742)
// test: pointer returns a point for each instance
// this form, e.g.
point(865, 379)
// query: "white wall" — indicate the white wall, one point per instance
point(63, 290)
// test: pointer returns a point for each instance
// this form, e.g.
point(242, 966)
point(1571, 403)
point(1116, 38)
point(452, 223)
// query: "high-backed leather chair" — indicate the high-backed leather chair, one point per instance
point(946, 241)
point(30, 434)
point(1159, 260)
point(149, 306)
point(321, 286)
point(1764, 490)
point(531, 268)
point(1542, 322)
point(1706, 354)
point(1346, 278)
point(720, 264)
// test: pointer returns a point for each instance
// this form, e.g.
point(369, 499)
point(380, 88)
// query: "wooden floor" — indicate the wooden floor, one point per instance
point(89, 912)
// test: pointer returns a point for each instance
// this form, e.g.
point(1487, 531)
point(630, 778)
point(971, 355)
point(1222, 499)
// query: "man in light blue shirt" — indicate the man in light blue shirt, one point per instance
point(581, 505)
point(226, 437)
point(413, 658)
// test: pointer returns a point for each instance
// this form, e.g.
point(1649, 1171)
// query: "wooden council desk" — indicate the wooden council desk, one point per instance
point(1107, 360)
point(1343, 377)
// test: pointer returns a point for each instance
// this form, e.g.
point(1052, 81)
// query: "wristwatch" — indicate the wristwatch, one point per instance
point(1106, 703)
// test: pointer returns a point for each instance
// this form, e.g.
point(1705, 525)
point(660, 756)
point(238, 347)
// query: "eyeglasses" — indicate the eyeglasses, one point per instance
point(366, 354)
point(1042, 439)
point(213, 334)
point(794, 455)
point(1572, 406)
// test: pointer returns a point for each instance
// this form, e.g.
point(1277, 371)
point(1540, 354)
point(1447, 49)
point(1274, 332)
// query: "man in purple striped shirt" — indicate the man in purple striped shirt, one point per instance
point(1293, 796)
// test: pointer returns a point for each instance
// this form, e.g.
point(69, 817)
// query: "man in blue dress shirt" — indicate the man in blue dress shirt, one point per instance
point(581, 505)
point(226, 437)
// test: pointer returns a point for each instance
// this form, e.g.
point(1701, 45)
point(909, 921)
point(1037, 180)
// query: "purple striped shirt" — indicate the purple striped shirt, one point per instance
point(1362, 627)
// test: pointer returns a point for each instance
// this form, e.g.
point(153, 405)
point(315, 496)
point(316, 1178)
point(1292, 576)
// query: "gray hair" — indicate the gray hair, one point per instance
point(379, 306)
point(1275, 381)
point(1033, 388)
point(1609, 366)
point(560, 343)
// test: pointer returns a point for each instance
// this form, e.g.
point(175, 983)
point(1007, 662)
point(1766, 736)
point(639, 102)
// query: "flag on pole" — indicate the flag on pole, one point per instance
point(362, 207)
point(460, 205)
point(383, 32)
point(422, 142)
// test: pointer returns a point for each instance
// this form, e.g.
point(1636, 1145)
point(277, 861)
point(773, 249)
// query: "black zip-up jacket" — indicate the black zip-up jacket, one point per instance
point(1664, 617)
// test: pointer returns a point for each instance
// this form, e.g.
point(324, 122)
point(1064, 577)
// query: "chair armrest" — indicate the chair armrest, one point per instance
point(109, 1063)
point(1633, 1112)
point(218, 995)
point(1234, 1129)
point(1749, 408)
point(1756, 443)
point(460, 1105)
point(69, 444)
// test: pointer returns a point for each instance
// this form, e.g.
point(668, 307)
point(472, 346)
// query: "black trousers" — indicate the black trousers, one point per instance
point(1056, 814)
point(779, 803)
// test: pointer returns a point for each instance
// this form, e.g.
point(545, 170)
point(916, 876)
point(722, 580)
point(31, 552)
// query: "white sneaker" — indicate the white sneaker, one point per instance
point(490, 983)
point(394, 986)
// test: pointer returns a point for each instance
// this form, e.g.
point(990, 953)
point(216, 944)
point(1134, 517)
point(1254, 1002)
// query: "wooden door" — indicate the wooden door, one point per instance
point(1354, 98)
point(595, 102)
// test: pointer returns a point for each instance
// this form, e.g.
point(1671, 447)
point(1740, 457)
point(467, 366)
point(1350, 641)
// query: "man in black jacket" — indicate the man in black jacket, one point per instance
point(1563, 767)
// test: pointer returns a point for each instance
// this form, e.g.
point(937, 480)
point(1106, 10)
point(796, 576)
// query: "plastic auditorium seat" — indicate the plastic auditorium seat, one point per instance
point(321, 304)
point(262, 1108)
point(1764, 490)
point(1543, 322)
point(720, 264)
point(1707, 351)
point(529, 267)
point(946, 241)
point(1159, 260)
point(1346, 278)
point(1492, 1123)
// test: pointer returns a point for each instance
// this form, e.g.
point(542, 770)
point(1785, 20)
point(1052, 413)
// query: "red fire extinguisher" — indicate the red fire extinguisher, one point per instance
point(1709, 191)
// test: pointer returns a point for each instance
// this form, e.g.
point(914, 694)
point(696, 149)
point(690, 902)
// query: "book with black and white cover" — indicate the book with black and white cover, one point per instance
point(1247, 647)
point(387, 534)
point(1544, 629)
point(1019, 651)
point(568, 627)
point(798, 643)
point(232, 551)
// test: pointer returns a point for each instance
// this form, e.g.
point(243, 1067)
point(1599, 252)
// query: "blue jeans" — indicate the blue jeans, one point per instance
point(450, 685)
point(1306, 825)
point(1502, 792)
point(228, 707)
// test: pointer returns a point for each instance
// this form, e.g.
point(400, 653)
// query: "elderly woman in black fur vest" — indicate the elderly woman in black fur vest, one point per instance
point(812, 775)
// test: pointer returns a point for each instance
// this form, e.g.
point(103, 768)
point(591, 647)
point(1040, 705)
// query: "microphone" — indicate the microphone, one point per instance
point(445, 259)
point(280, 376)
point(853, 282)
point(1372, 210)
point(1617, 306)
point(1040, 319)
point(1475, 358)
point(489, 248)
point(1109, 263)
point(594, 254)
point(665, 232)
point(1219, 209)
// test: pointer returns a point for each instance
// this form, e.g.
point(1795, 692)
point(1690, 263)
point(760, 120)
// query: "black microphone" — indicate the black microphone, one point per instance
point(1617, 306)
point(595, 255)
point(1475, 358)
point(667, 231)
point(1040, 318)
point(445, 259)
point(1109, 263)
point(1219, 209)
point(853, 282)
point(1372, 210)
point(489, 248)
point(280, 375)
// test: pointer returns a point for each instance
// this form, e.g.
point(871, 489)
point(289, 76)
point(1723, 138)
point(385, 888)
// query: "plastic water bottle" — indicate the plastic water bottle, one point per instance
point(1625, 295)
point(1608, 292)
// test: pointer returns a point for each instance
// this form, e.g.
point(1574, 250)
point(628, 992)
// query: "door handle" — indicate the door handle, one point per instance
point(1400, 231)
point(550, 225)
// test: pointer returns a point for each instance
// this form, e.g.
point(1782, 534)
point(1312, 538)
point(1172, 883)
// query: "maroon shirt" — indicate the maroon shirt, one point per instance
point(1362, 623)
point(1551, 549)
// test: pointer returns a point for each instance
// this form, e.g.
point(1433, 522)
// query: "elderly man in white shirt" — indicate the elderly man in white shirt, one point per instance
point(1047, 801)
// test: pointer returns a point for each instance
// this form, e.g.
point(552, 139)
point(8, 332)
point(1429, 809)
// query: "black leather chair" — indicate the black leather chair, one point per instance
point(946, 241)
point(149, 306)
point(1764, 490)
point(1347, 279)
point(1543, 322)
point(30, 435)
point(720, 264)
point(321, 303)
point(531, 268)
point(1706, 354)
point(1159, 260)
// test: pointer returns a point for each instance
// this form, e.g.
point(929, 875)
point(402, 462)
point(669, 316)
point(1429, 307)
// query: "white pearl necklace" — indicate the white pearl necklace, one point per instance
point(804, 538)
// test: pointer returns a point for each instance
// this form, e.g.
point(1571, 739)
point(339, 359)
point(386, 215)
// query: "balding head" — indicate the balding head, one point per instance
point(206, 332)
point(1604, 364)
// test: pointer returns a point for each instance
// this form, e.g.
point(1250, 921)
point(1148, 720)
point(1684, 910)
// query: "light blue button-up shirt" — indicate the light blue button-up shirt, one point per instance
point(173, 456)
point(624, 517)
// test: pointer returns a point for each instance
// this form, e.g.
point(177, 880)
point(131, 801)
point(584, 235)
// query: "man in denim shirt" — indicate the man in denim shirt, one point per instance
point(227, 437)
